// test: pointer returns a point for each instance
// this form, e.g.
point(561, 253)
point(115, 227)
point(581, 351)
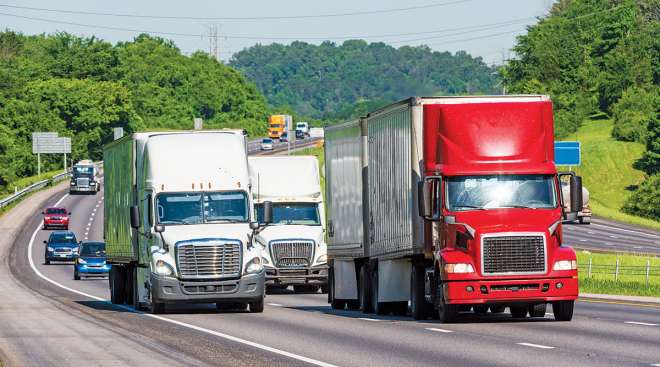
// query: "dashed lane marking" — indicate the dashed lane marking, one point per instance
point(175, 322)
point(640, 323)
point(536, 346)
point(439, 330)
point(368, 319)
point(274, 304)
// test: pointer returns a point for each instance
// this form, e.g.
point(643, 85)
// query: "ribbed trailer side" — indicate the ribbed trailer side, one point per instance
point(344, 166)
point(119, 196)
point(395, 148)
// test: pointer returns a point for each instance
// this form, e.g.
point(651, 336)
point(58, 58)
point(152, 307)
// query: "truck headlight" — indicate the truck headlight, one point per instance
point(322, 259)
point(92, 183)
point(73, 183)
point(460, 268)
point(565, 265)
point(163, 268)
point(254, 266)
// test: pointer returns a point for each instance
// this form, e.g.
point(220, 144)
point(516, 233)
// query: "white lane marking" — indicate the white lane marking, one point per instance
point(99, 201)
point(590, 232)
point(625, 230)
point(640, 323)
point(656, 365)
point(93, 214)
point(535, 346)
point(368, 319)
point(612, 236)
point(274, 304)
point(638, 246)
point(439, 330)
point(86, 238)
point(97, 205)
point(583, 240)
point(179, 323)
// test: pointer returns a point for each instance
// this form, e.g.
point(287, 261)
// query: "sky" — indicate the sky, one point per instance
point(485, 28)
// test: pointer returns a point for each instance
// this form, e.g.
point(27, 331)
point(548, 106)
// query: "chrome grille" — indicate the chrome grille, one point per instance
point(513, 254)
point(292, 254)
point(209, 259)
point(82, 182)
point(63, 250)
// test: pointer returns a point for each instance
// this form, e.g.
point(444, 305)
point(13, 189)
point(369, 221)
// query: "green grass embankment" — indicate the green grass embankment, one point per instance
point(631, 279)
point(607, 171)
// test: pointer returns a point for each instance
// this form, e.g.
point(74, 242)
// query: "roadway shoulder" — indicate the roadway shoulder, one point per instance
point(613, 297)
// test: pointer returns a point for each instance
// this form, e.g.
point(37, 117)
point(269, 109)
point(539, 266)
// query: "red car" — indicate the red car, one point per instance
point(56, 217)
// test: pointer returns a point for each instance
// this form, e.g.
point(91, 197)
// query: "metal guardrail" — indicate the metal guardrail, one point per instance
point(34, 187)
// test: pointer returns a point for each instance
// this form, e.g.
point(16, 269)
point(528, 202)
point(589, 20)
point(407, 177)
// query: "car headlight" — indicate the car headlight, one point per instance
point(75, 249)
point(51, 249)
point(322, 259)
point(565, 265)
point(254, 266)
point(460, 268)
point(81, 261)
point(163, 268)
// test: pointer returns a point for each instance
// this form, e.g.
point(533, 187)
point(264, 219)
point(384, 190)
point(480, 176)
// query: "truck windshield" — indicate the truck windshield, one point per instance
point(292, 213)
point(83, 170)
point(500, 191)
point(197, 207)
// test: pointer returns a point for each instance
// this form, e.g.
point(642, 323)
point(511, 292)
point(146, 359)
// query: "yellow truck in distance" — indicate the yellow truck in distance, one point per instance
point(277, 125)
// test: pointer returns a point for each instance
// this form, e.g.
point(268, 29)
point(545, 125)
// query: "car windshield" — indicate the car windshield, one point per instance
point(500, 191)
point(291, 213)
point(93, 249)
point(276, 126)
point(197, 207)
point(63, 238)
point(55, 211)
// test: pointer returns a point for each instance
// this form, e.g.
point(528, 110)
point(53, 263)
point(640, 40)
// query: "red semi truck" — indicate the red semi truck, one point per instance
point(449, 204)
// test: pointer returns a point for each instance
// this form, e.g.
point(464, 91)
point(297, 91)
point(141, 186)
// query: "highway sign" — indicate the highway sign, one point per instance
point(567, 153)
point(47, 145)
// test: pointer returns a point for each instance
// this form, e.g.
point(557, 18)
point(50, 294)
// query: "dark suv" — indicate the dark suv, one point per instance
point(61, 246)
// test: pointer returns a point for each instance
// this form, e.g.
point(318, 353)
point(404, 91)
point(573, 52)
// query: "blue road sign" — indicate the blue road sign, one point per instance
point(567, 153)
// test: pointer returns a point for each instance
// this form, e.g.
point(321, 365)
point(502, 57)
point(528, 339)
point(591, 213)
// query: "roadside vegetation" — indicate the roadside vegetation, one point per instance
point(631, 278)
point(319, 153)
point(599, 59)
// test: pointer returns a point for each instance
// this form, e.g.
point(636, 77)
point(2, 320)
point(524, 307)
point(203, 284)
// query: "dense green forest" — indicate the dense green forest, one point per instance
point(330, 81)
point(600, 59)
point(82, 87)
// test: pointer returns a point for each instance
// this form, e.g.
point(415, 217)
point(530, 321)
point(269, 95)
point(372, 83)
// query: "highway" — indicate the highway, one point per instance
point(301, 329)
point(604, 235)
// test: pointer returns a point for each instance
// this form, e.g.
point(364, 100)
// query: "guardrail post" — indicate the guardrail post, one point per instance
point(616, 271)
point(589, 275)
point(648, 271)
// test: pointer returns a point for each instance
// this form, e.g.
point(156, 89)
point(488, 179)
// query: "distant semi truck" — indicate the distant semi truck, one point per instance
point(302, 130)
point(449, 204)
point(294, 243)
point(85, 178)
point(278, 124)
point(179, 223)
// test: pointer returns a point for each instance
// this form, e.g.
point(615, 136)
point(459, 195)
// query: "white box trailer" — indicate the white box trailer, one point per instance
point(179, 222)
point(294, 244)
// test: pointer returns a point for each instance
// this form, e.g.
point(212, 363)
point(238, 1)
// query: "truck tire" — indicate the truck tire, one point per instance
point(257, 306)
point(46, 262)
point(563, 310)
point(117, 279)
point(399, 308)
point(130, 285)
point(447, 313)
point(324, 289)
point(518, 312)
point(364, 290)
point(480, 309)
point(418, 305)
point(155, 307)
point(537, 310)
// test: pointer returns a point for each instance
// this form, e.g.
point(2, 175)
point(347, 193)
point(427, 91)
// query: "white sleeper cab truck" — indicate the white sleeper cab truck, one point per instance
point(84, 178)
point(179, 224)
point(294, 244)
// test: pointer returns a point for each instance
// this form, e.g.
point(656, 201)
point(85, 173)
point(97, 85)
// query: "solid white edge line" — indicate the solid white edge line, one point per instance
point(274, 304)
point(369, 319)
point(640, 323)
point(197, 328)
point(535, 346)
point(439, 330)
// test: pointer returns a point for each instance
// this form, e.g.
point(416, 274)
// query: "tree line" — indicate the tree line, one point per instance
point(599, 59)
point(83, 87)
point(331, 81)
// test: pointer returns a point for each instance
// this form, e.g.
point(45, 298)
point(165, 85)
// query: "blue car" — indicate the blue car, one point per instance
point(91, 261)
point(61, 246)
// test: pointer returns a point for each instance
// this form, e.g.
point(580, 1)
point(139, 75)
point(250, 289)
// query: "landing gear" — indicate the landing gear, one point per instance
point(364, 290)
point(336, 304)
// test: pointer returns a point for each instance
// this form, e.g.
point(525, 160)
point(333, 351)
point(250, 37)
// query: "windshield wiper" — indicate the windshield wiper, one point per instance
point(175, 221)
point(470, 207)
point(225, 220)
point(518, 206)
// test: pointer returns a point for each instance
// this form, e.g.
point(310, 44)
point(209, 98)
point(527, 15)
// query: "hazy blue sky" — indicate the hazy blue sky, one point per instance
point(450, 22)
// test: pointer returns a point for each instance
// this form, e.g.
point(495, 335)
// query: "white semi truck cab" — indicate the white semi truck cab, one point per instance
point(294, 245)
point(179, 223)
point(84, 178)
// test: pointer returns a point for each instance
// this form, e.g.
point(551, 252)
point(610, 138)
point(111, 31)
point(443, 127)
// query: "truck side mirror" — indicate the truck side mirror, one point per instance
point(424, 198)
point(159, 228)
point(268, 212)
point(254, 226)
point(576, 194)
point(135, 217)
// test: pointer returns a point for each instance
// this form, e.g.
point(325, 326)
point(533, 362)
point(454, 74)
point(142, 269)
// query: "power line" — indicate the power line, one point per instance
point(280, 17)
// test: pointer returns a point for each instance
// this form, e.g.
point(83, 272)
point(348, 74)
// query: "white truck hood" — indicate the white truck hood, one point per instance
point(231, 231)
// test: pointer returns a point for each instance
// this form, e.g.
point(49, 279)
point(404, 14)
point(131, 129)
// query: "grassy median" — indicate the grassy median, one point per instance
point(629, 280)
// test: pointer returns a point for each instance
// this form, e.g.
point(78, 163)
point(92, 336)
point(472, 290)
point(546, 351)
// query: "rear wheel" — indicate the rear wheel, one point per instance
point(418, 305)
point(380, 308)
point(447, 313)
point(563, 310)
point(117, 283)
point(399, 308)
point(537, 310)
point(518, 312)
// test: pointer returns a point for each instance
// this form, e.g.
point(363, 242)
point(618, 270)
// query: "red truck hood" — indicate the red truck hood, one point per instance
point(509, 219)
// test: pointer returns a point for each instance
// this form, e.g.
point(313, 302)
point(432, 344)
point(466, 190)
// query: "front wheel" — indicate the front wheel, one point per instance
point(257, 306)
point(447, 313)
point(563, 310)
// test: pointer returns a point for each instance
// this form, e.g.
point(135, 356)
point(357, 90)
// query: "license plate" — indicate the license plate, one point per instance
point(63, 255)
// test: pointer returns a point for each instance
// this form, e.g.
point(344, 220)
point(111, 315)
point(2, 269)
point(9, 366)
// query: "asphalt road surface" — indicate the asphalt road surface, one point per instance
point(301, 329)
point(604, 235)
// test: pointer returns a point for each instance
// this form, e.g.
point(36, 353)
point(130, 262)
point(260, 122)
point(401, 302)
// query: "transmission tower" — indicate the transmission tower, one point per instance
point(213, 41)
